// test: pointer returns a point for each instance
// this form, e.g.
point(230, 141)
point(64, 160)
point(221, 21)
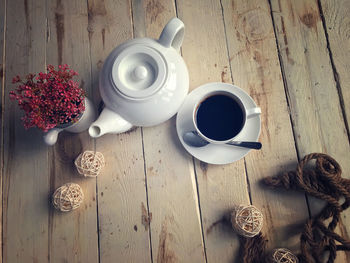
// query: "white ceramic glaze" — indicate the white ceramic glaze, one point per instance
point(83, 124)
point(217, 153)
point(143, 82)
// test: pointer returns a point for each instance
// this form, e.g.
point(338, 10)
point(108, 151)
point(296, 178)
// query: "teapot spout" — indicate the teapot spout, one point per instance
point(108, 122)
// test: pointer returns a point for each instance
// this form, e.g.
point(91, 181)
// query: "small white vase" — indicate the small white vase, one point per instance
point(81, 125)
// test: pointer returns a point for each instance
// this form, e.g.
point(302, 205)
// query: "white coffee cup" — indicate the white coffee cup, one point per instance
point(211, 127)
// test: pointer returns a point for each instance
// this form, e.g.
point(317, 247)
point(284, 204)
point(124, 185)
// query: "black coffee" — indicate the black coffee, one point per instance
point(220, 117)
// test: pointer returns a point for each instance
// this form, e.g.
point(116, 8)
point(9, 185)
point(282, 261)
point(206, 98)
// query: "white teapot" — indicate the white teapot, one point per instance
point(143, 82)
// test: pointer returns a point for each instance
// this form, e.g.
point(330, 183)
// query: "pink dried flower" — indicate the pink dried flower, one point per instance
point(49, 99)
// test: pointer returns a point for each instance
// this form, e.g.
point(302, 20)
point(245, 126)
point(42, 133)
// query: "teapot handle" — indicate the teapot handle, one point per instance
point(173, 34)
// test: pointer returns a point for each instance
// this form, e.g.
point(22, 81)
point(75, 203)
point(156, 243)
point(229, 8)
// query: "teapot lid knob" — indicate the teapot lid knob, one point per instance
point(140, 73)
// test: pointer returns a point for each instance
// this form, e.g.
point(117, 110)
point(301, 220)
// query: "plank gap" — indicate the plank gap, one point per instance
point(308, 205)
point(98, 222)
point(132, 18)
point(2, 162)
point(335, 72)
point(248, 182)
point(46, 35)
point(176, 13)
point(97, 211)
point(199, 208)
point(227, 48)
point(51, 181)
point(96, 196)
point(147, 201)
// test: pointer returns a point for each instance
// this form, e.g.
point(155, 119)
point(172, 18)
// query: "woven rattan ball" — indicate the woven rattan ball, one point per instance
point(67, 197)
point(89, 163)
point(283, 255)
point(247, 220)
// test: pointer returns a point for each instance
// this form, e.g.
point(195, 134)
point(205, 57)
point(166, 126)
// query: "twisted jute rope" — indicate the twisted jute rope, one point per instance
point(323, 181)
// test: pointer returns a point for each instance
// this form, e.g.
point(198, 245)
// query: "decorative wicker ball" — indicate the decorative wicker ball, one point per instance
point(247, 220)
point(67, 197)
point(283, 255)
point(89, 163)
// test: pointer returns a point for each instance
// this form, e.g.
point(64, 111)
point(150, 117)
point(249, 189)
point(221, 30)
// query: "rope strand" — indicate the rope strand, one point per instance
point(324, 181)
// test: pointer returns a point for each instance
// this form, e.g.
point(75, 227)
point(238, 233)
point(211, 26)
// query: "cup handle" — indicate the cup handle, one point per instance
point(251, 113)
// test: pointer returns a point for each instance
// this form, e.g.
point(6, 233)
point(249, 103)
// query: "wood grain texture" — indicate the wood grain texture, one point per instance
point(2, 85)
point(220, 187)
point(337, 22)
point(256, 69)
point(144, 206)
point(175, 226)
point(25, 171)
point(313, 97)
point(73, 236)
point(122, 202)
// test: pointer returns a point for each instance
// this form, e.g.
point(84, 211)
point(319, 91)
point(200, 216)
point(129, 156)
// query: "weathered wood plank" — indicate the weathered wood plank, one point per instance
point(255, 67)
point(312, 92)
point(175, 226)
point(220, 187)
point(2, 85)
point(122, 202)
point(337, 21)
point(73, 236)
point(25, 171)
point(32, 231)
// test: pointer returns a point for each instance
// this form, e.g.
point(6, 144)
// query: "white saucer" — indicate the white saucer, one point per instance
point(217, 153)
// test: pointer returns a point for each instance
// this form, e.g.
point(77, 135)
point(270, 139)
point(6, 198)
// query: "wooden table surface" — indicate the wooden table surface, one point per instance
point(154, 202)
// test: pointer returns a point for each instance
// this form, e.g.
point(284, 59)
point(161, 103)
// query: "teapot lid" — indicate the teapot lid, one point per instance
point(139, 71)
